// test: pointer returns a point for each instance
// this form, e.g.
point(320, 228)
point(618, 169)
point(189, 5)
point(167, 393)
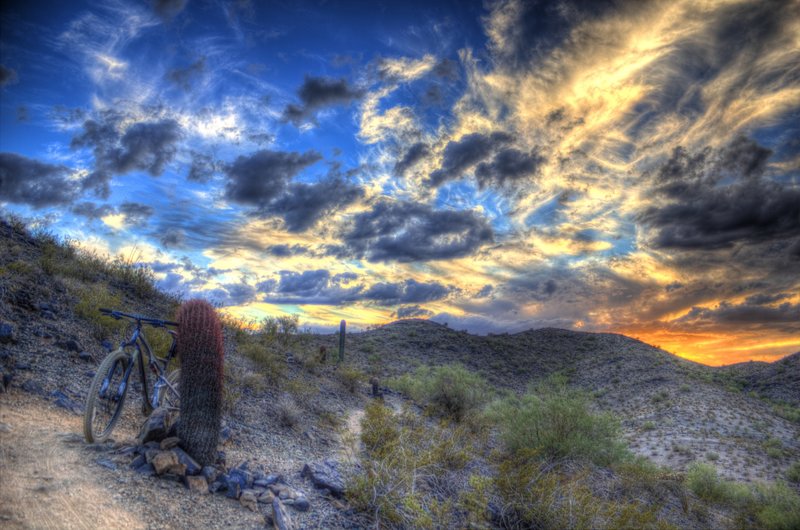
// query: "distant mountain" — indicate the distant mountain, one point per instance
point(778, 381)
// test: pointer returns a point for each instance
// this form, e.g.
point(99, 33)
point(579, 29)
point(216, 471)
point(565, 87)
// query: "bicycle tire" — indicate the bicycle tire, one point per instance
point(93, 405)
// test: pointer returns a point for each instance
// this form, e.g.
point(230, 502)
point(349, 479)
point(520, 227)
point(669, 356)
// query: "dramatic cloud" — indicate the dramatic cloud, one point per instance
point(92, 210)
point(319, 92)
point(202, 167)
point(408, 292)
point(37, 184)
point(407, 232)
point(747, 313)
point(135, 213)
point(8, 76)
point(304, 204)
point(716, 198)
point(413, 154)
point(283, 251)
point(461, 155)
point(144, 146)
point(256, 179)
point(413, 311)
point(507, 166)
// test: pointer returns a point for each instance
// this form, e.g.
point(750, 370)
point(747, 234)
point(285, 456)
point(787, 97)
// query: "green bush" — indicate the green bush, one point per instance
point(90, 299)
point(706, 483)
point(269, 362)
point(451, 391)
point(793, 473)
point(775, 506)
point(350, 377)
point(555, 421)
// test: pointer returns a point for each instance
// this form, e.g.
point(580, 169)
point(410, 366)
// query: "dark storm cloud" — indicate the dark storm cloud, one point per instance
point(414, 154)
point(304, 204)
point(413, 311)
point(145, 146)
point(407, 232)
point(746, 313)
point(321, 288)
point(446, 69)
point(91, 210)
point(507, 166)
point(319, 92)
point(529, 30)
point(717, 198)
point(239, 293)
point(37, 184)
point(168, 9)
point(407, 292)
point(461, 155)
point(257, 179)
point(202, 167)
point(8, 76)
point(135, 213)
point(183, 77)
point(283, 251)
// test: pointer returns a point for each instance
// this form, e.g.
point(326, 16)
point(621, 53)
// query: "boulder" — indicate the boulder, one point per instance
point(268, 480)
point(210, 473)
point(156, 427)
point(165, 461)
point(325, 475)
point(191, 465)
point(280, 516)
point(169, 443)
point(249, 499)
point(266, 497)
point(196, 483)
point(7, 334)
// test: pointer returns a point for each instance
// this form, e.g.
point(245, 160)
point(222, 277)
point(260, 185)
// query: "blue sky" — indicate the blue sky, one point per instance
point(609, 166)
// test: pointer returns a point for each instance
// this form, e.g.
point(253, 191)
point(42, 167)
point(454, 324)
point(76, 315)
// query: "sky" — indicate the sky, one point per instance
point(624, 166)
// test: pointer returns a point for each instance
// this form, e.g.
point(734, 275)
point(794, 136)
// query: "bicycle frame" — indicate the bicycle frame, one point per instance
point(158, 365)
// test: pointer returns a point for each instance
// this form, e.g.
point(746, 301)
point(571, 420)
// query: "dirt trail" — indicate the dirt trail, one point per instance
point(47, 481)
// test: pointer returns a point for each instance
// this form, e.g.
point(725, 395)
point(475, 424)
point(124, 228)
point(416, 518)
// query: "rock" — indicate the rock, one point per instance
point(225, 435)
point(150, 454)
point(89, 374)
point(217, 485)
point(249, 499)
point(164, 461)
point(325, 475)
point(169, 443)
point(49, 315)
point(127, 450)
point(190, 464)
point(280, 516)
point(71, 438)
point(33, 387)
point(85, 356)
point(237, 481)
point(7, 377)
point(146, 469)
point(156, 427)
point(98, 447)
point(272, 478)
point(7, 334)
point(5, 427)
point(106, 463)
point(69, 345)
point(107, 345)
point(300, 503)
point(61, 400)
point(243, 476)
point(139, 461)
point(196, 483)
point(210, 473)
point(23, 366)
point(266, 497)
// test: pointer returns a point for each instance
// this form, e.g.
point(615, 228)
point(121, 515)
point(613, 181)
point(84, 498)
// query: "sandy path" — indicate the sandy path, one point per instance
point(45, 476)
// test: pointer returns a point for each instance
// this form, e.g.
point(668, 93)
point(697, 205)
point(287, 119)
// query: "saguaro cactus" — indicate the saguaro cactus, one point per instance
point(201, 354)
point(342, 329)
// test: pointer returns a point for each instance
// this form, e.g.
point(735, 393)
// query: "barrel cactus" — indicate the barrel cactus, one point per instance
point(201, 352)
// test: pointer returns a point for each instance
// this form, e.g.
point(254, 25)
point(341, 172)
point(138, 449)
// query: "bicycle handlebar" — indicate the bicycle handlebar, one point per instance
point(155, 322)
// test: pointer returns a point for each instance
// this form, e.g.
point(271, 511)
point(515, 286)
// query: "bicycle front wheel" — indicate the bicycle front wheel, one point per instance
point(106, 396)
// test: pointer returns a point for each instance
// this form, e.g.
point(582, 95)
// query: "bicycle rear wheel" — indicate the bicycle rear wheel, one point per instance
point(106, 396)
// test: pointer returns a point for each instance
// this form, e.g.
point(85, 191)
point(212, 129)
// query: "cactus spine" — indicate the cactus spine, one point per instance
point(201, 352)
point(342, 329)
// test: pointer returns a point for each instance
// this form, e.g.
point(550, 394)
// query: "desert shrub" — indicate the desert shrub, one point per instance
point(287, 411)
point(706, 483)
point(793, 473)
point(270, 363)
point(90, 299)
point(406, 477)
point(775, 506)
point(532, 494)
point(649, 426)
point(451, 391)
point(350, 377)
point(555, 421)
point(773, 447)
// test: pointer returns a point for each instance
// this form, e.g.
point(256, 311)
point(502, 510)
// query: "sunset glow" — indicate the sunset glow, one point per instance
point(630, 167)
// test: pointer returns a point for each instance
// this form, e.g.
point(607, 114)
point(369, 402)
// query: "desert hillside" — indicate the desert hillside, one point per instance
point(285, 407)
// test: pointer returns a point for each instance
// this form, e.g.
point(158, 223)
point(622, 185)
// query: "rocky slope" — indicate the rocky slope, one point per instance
point(673, 411)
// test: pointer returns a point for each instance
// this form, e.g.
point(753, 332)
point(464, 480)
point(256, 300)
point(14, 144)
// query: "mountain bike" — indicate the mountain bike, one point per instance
point(110, 384)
